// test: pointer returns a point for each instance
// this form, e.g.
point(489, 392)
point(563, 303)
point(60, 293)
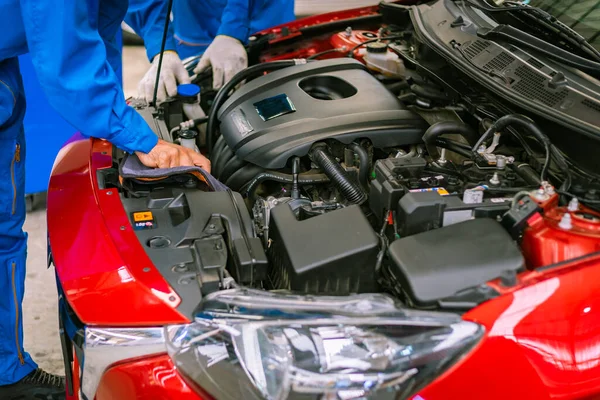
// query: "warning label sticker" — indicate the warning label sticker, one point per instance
point(143, 220)
point(142, 216)
point(440, 190)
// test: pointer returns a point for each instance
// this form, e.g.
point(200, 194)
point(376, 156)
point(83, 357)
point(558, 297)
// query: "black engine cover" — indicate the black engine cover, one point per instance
point(282, 114)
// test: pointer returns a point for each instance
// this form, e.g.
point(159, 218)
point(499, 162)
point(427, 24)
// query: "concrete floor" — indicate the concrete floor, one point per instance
point(40, 306)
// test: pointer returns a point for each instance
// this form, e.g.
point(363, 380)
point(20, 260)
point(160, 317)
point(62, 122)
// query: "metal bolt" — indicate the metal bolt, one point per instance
point(540, 194)
point(211, 226)
point(400, 153)
point(501, 162)
point(218, 246)
point(442, 160)
point(146, 269)
point(495, 179)
point(481, 149)
point(122, 227)
point(109, 192)
point(180, 268)
point(566, 222)
point(172, 298)
point(573, 204)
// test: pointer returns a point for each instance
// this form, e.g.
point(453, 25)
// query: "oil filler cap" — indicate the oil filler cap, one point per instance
point(188, 90)
point(377, 47)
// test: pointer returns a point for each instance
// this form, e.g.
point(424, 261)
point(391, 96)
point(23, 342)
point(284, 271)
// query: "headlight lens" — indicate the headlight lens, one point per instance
point(255, 344)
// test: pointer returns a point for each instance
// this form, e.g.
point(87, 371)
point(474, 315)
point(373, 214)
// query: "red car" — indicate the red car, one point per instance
point(404, 203)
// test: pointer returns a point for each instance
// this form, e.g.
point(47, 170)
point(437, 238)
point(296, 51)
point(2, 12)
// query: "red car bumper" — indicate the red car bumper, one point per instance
point(153, 378)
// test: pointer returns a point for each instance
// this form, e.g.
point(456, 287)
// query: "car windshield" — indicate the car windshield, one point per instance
point(583, 16)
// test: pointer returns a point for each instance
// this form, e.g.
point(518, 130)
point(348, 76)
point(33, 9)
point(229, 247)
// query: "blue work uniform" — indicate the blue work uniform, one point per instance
point(75, 55)
point(197, 22)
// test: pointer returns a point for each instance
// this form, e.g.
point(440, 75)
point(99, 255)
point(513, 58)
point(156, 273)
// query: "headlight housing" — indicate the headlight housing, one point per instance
point(255, 344)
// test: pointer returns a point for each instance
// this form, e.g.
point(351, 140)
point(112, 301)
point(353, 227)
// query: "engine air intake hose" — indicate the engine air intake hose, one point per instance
point(447, 127)
point(350, 190)
point(363, 171)
point(305, 178)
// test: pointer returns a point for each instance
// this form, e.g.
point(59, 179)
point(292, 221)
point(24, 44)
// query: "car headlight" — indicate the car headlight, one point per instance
point(254, 344)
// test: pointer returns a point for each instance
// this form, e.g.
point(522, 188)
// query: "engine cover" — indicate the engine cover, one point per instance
point(282, 114)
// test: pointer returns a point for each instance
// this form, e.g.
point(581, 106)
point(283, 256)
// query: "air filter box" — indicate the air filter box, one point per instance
point(333, 252)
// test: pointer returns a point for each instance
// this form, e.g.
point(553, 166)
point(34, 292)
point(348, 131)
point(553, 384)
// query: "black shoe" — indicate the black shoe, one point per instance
point(38, 385)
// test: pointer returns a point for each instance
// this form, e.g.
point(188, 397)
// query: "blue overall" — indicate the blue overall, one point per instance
point(73, 49)
point(197, 22)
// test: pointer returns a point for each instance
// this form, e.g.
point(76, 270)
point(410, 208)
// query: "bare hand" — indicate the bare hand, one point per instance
point(169, 155)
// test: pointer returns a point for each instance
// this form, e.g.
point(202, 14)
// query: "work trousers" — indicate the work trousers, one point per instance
point(15, 363)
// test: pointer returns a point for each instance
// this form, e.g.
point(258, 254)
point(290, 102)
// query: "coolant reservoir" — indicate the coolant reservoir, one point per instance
point(380, 59)
point(187, 139)
point(190, 97)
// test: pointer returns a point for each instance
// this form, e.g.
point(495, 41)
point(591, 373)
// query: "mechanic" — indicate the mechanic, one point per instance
point(75, 56)
point(217, 30)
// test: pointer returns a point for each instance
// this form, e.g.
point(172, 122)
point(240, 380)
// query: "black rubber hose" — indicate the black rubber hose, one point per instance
point(428, 93)
point(241, 177)
point(303, 178)
point(217, 153)
point(524, 122)
point(226, 155)
point(442, 128)
point(397, 87)
point(295, 172)
point(363, 170)
point(230, 168)
point(199, 121)
point(338, 176)
point(527, 173)
point(564, 166)
point(454, 147)
point(223, 94)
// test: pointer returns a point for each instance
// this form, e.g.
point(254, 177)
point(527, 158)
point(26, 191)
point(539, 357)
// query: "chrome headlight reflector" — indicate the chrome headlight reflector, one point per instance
point(254, 344)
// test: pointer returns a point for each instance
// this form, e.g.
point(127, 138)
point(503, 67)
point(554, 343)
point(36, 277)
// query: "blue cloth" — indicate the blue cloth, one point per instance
point(197, 22)
point(15, 363)
point(74, 53)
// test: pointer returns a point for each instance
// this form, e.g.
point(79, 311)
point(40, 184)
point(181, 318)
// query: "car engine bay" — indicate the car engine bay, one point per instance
point(359, 157)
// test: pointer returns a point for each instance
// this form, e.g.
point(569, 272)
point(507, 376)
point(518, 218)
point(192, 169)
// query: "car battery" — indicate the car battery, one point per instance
point(424, 210)
point(395, 177)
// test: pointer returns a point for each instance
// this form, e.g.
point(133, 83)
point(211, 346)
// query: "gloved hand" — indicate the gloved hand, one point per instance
point(172, 72)
point(227, 56)
point(169, 155)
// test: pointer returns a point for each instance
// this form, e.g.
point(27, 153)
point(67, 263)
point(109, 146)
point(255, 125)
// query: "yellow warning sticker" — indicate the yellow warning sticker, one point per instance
point(142, 216)
point(440, 190)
